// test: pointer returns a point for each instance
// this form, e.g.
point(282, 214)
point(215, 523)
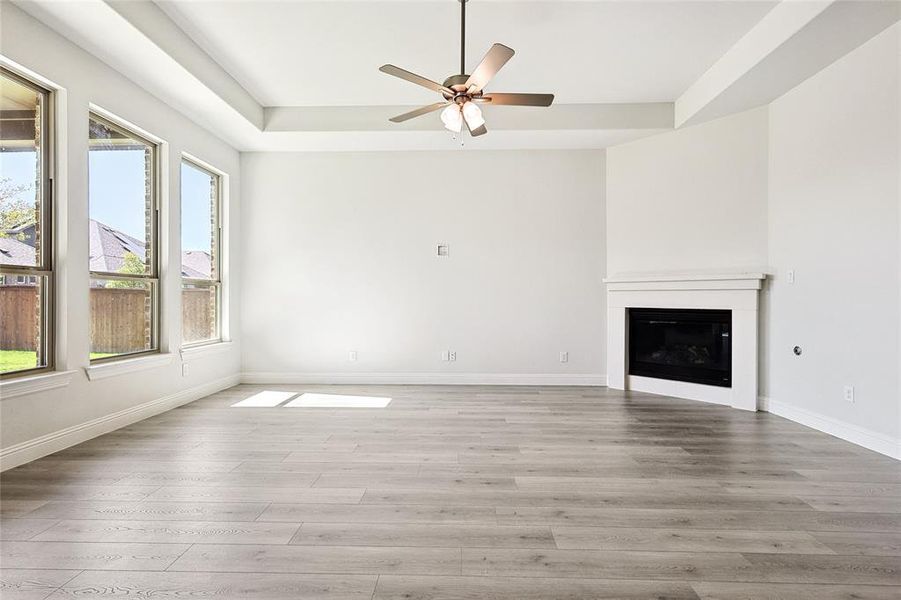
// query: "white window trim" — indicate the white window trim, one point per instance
point(22, 386)
point(115, 368)
point(189, 353)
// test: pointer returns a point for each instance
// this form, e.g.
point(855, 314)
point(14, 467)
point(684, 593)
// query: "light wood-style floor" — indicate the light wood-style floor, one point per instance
point(452, 493)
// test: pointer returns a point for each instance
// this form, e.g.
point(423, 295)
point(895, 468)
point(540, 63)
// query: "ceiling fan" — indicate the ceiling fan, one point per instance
point(463, 93)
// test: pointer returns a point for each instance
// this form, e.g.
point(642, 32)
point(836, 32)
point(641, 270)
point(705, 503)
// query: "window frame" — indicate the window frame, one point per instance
point(153, 276)
point(216, 260)
point(43, 270)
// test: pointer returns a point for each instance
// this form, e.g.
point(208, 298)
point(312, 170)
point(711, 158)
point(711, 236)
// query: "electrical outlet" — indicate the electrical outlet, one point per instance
point(791, 276)
point(849, 393)
point(184, 369)
point(352, 355)
point(452, 355)
point(564, 357)
point(445, 355)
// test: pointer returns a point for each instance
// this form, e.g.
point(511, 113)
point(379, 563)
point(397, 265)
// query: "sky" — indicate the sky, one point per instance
point(116, 188)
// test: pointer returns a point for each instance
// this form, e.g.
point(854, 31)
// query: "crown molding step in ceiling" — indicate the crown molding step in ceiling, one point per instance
point(265, 76)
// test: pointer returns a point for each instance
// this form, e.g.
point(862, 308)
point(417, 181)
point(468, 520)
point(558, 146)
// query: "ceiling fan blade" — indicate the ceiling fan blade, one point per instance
point(414, 78)
point(496, 58)
point(480, 130)
point(418, 112)
point(518, 99)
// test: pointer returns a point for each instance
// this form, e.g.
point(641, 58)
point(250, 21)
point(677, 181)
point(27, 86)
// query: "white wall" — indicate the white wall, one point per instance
point(834, 220)
point(691, 199)
point(25, 419)
point(340, 255)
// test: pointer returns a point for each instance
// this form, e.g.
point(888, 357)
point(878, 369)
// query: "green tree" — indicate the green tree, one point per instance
point(131, 265)
point(15, 211)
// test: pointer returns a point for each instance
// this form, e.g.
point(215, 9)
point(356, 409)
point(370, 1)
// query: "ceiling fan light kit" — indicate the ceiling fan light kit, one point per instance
point(473, 115)
point(452, 117)
point(462, 93)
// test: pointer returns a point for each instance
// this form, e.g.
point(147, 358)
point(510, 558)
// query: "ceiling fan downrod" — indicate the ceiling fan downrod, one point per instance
point(463, 37)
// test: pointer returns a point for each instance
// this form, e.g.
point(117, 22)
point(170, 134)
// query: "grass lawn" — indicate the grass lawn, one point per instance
point(19, 360)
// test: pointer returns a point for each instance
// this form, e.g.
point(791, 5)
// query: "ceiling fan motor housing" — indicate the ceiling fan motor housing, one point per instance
point(457, 83)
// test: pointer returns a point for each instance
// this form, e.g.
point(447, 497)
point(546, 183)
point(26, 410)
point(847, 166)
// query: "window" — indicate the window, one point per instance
point(201, 270)
point(26, 241)
point(122, 194)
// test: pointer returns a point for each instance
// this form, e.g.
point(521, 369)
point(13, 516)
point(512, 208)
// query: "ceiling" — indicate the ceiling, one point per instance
point(17, 96)
point(304, 53)
point(297, 75)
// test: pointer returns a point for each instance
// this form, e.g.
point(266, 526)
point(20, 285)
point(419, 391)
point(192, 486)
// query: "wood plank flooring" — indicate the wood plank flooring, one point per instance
point(454, 493)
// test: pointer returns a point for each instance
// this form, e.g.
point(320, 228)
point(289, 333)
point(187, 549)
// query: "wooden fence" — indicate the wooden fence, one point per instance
point(18, 319)
point(198, 314)
point(119, 320)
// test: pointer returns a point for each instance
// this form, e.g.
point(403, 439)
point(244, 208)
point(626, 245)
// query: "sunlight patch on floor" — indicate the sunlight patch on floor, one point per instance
point(264, 399)
point(338, 401)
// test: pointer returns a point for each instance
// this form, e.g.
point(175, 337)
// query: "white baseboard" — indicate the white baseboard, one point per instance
point(427, 378)
point(20, 454)
point(871, 440)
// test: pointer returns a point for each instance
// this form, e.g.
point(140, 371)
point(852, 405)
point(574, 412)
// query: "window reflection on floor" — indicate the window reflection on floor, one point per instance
point(338, 401)
point(264, 399)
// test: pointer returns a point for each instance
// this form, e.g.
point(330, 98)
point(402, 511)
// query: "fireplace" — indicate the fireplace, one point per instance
point(692, 345)
point(732, 295)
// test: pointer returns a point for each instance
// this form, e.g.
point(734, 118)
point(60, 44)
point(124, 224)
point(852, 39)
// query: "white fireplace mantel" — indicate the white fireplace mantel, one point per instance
point(736, 291)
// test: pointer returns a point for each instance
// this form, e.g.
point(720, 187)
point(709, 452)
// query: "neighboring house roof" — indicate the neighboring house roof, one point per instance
point(195, 264)
point(108, 247)
point(15, 252)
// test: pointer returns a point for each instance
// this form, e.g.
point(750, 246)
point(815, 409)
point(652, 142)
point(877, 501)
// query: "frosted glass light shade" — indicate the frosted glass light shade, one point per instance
point(452, 118)
point(473, 115)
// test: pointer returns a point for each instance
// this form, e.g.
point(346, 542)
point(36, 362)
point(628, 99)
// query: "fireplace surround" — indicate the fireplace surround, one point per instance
point(734, 292)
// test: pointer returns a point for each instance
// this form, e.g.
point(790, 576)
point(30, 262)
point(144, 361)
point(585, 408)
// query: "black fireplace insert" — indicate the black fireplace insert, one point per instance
point(681, 345)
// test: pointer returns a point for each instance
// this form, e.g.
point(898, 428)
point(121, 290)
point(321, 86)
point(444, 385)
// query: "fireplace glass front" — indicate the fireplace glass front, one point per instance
point(690, 345)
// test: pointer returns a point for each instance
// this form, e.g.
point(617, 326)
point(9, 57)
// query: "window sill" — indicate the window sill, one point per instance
point(36, 383)
point(193, 352)
point(128, 365)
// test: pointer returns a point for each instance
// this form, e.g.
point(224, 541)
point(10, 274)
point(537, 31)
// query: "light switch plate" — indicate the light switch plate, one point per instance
point(849, 393)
